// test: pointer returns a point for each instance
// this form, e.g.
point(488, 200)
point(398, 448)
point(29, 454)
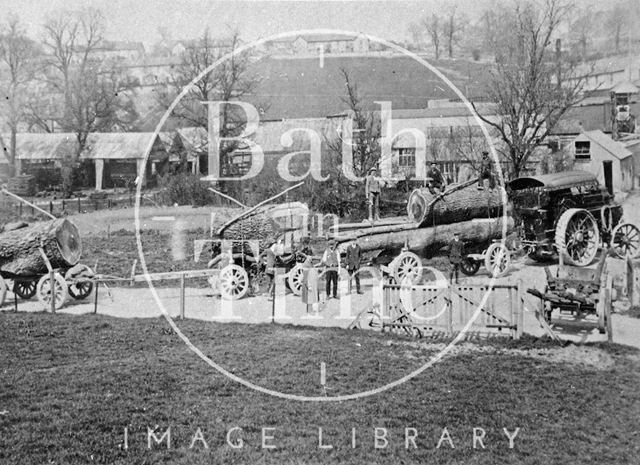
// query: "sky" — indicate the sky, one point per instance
point(139, 21)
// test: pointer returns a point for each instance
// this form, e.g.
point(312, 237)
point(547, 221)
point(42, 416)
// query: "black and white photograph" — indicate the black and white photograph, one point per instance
point(319, 232)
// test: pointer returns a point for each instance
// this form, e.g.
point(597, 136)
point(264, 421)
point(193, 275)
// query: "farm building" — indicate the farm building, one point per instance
point(108, 160)
point(609, 160)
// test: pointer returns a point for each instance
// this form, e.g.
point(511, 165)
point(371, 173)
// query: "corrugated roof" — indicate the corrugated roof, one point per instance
point(626, 88)
point(44, 146)
point(122, 145)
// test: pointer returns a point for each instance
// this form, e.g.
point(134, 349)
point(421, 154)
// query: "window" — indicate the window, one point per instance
point(583, 150)
point(406, 157)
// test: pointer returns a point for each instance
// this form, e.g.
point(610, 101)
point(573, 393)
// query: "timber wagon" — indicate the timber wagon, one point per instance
point(238, 249)
point(480, 218)
point(32, 254)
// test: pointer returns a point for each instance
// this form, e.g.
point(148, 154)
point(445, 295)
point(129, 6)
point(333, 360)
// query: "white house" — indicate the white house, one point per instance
point(609, 160)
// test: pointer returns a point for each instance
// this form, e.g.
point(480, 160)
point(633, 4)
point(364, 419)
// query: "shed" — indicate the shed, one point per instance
point(609, 160)
point(119, 157)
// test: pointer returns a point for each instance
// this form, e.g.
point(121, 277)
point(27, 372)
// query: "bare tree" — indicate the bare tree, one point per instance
point(230, 80)
point(453, 28)
point(91, 95)
point(18, 55)
point(529, 100)
point(582, 30)
point(620, 20)
point(416, 32)
point(432, 25)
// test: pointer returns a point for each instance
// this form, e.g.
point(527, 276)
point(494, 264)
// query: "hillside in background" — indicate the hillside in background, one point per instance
point(306, 87)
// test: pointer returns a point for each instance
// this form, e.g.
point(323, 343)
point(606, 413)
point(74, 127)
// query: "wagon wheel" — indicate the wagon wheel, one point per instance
point(577, 236)
point(3, 290)
point(295, 278)
point(234, 282)
point(44, 290)
point(469, 266)
point(407, 265)
point(79, 289)
point(625, 240)
point(25, 289)
point(497, 259)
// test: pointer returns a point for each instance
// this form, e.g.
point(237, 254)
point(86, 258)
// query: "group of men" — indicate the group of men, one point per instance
point(435, 183)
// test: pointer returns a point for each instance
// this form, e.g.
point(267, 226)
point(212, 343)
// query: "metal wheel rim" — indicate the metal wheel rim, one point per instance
point(59, 288)
point(81, 289)
point(234, 282)
point(408, 268)
point(498, 259)
point(577, 237)
point(469, 266)
point(580, 238)
point(25, 289)
point(626, 241)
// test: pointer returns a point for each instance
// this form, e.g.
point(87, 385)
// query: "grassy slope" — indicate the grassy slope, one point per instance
point(70, 384)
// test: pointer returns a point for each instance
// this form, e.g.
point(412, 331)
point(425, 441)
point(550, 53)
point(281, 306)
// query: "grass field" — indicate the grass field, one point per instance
point(70, 385)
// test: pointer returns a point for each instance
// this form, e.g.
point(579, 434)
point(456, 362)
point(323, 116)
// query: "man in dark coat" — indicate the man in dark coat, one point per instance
point(486, 171)
point(456, 255)
point(354, 257)
point(436, 180)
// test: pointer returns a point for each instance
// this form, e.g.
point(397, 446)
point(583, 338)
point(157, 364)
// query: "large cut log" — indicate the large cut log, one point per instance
point(19, 249)
point(458, 203)
point(475, 232)
point(268, 224)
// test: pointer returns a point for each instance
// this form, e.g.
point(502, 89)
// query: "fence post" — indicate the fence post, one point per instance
point(182, 286)
point(450, 309)
point(52, 287)
point(79, 205)
point(50, 207)
point(519, 311)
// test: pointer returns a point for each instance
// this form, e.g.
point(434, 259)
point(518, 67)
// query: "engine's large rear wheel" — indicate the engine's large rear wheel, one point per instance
point(577, 237)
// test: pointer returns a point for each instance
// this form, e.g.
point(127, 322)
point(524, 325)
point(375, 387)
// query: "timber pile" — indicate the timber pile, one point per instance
point(266, 224)
point(458, 203)
point(416, 237)
point(19, 249)
point(22, 185)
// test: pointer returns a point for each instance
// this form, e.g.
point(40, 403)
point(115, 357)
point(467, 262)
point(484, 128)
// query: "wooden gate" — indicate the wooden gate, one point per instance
point(472, 308)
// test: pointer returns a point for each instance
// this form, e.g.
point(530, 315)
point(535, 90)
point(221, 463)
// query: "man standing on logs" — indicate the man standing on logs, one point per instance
point(436, 180)
point(354, 256)
point(331, 259)
point(372, 189)
point(485, 171)
point(456, 254)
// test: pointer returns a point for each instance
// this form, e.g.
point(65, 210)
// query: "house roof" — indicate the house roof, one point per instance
point(317, 38)
point(615, 148)
point(44, 146)
point(626, 88)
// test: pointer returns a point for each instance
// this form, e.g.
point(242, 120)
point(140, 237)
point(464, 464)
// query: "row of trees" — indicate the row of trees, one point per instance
point(58, 84)
point(592, 28)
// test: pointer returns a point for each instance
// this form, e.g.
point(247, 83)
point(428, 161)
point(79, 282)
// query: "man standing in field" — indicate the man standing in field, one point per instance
point(354, 256)
point(331, 259)
point(456, 254)
point(372, 189)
